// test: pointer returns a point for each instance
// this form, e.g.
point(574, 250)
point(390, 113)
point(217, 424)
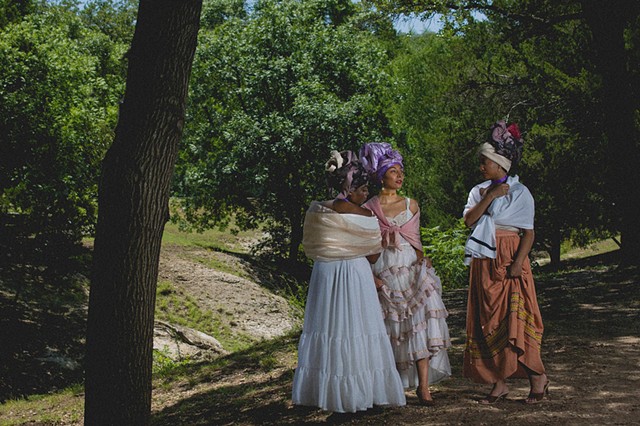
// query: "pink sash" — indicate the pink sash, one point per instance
point(410, 230)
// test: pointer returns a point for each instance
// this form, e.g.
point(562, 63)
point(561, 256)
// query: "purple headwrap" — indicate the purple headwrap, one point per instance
point(377, 157)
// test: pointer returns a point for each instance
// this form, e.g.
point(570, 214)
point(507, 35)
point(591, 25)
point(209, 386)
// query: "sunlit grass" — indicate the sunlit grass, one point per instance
point(215, 239)
point(63, 407)
point(173, 305)
point(569, 251)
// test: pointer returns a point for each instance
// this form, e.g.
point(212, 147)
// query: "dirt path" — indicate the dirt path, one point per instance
point(591, 349)
point(244, 306)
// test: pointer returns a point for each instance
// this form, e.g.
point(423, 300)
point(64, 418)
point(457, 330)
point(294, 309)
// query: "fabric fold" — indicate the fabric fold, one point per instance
point(514, 210)
point(391, 233)
point(329, 235)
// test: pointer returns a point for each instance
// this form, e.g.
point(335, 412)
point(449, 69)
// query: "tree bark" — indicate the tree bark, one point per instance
point(608, 21)
point(133, 209)
point(554, 250)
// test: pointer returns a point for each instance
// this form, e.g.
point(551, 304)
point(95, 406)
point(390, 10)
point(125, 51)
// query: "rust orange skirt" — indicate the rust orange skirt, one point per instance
point(504, 325)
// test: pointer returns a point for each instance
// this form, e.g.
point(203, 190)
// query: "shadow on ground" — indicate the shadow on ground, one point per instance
point(42, 325)
point(591, 350)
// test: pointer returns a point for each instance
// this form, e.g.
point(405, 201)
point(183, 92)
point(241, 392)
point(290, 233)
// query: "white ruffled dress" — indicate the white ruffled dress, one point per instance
point(414, 313)
point(345, 361)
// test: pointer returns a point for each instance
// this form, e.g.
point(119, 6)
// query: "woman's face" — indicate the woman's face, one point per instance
point(490, 169)
point(359, 195)
point(393, 177)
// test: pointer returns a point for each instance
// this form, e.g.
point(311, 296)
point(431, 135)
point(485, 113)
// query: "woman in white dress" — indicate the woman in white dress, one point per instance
point(409, 290)
point(345, 361)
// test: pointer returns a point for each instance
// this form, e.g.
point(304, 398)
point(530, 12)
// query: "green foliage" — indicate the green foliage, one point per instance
point(175, 306)
point(14, 10)
point(445, 247)
point(165, 366)
point(272, 93)
point(60, 82)
point(448, 88)
point(434, 122)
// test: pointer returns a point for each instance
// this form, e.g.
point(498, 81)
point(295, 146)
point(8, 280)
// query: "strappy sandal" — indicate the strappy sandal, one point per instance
point(424, 402)
point(492, 399)
point(535, 398)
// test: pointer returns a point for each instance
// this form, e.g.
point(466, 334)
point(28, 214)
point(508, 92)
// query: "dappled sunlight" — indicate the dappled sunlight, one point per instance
point(594, 375)
point(593, 307)
point(629, 340)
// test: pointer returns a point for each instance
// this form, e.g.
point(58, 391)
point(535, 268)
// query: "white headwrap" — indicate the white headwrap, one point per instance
point(489, 151)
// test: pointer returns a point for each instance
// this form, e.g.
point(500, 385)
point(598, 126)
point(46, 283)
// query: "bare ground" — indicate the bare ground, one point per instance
point(244, 305)
point(591, 349)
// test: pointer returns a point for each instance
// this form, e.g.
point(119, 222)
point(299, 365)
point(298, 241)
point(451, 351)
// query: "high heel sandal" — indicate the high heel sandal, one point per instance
point(535, 398)
point(492, 399)
point(424, 402)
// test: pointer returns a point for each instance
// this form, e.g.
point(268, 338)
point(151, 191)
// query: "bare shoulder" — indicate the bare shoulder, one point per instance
point(342, 206)
point(414, 206)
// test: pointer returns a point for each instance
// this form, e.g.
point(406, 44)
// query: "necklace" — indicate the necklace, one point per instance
point(499, 181)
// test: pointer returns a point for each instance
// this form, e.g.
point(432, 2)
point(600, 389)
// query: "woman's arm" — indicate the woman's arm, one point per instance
point(373, 258)
point(490, 194)
point(414, 207)
point(524, 247)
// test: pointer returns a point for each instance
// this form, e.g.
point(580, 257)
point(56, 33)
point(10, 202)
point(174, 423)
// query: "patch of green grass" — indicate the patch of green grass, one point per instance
point(175, 306)
point(212, 238)
point(569, 251)
point(63, 407)
point(221, 266)
point(164, 366)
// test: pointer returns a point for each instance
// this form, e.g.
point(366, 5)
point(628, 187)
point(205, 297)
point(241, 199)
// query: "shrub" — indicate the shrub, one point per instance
point(446, 250)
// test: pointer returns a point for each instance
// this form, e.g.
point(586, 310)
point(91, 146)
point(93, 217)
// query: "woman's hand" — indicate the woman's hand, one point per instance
point(378, 281)
point(524, 247)
point(488, 195)
point(495, 191)
point(514, 270)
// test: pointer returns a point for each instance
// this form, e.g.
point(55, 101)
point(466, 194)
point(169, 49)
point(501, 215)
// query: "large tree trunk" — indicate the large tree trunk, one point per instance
point(608, 21)
point(554, 250)
point(133, 209)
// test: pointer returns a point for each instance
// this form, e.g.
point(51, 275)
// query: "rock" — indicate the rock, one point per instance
point(179, 342)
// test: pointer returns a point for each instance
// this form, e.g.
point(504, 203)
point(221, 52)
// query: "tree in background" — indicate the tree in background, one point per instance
point(14, 10)
point(539, 53)
point(133, 209)
point(60, 81)
point(275, 89)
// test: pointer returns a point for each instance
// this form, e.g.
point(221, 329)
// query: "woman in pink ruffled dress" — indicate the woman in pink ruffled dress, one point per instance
point(409, 291)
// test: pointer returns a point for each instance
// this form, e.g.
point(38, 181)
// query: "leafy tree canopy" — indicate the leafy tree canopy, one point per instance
point(60, 81)
point(274, 89)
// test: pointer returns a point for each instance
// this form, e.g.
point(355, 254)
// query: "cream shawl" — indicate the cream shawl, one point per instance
point(328, 235)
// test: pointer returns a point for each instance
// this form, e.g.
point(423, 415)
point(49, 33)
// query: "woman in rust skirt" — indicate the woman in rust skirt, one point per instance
point(504, 325)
